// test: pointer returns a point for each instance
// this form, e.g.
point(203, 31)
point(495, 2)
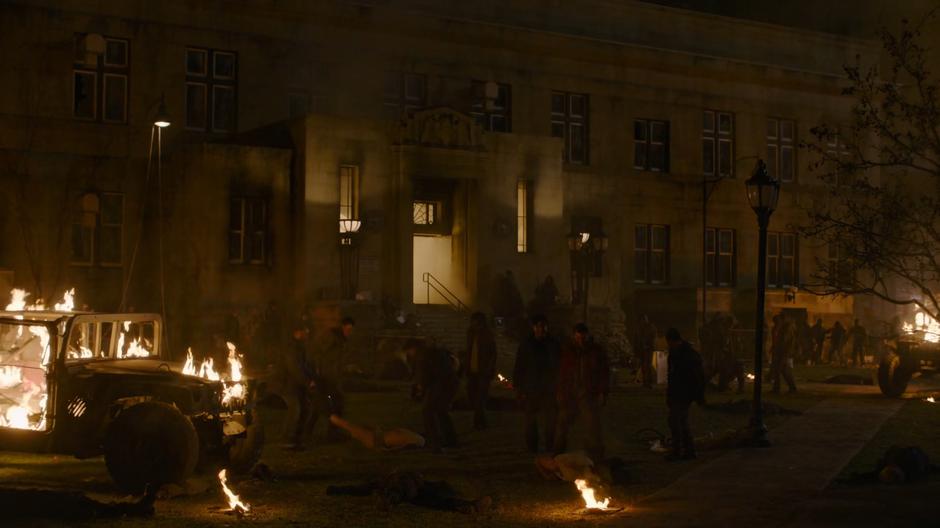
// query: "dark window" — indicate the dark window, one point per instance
point(98, 230)
point(404, 93)
point(651, 145)
point(492, 106)
point(837, 150)
point(248, 231)
point(718, 143)
point(651, 254)
point(782, 268)
point(841, 272)
point(211, 90)
point(100, 82)
point(720, 256)
point(570, 122)
point(781, 157)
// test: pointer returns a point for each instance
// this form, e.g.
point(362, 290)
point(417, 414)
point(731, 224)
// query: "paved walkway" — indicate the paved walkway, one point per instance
point(765, 487)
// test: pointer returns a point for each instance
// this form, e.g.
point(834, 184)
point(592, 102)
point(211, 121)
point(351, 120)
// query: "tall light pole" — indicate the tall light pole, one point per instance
point(584, 246)
point(762, 194)
point(349, 261)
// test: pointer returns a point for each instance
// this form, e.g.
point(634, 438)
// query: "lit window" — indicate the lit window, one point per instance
point(425, 213)
point(348, 192)
point(522, 217)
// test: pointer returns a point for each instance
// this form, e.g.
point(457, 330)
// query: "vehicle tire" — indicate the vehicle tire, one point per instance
point(150, 443)
point(244, 452)
point(893, 375)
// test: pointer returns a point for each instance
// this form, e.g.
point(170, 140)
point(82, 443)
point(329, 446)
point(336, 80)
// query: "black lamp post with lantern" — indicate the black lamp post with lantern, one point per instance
point(762, 195)
point(349, 257)
point(584, 246)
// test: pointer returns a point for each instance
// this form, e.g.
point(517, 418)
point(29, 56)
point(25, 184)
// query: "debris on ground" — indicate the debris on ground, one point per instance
point(18, 503)
point(745, 407)
point(848, 379)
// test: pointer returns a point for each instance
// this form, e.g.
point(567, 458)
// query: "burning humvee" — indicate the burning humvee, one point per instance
point(918, 351)
point(87, 384)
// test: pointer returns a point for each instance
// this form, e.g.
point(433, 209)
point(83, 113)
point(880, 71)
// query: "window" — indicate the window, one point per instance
point(718, 144)
point(651, 254)
point(522, 216)
point(404, 93)
point(248, 231)
point(570, 122)
point(719, 257)
point(841, 273)
point(781, 135)
point(349, 192)
point(98, 230)
point(837, 150)
point(425, 213)
point(100, 83)
point(211, 90)
point(492, 106)
point(782, 270)
point(651, 145)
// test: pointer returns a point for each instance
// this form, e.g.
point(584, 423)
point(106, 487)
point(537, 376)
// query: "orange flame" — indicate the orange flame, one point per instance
point(234, 502)
point(587, 493)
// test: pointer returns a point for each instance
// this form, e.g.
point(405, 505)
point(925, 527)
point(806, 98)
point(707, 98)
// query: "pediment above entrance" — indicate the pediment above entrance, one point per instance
point(441, 127)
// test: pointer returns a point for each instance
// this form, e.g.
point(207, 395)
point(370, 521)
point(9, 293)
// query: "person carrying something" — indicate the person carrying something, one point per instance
point(583, 388)
point(534, 379)
point(435, 384)
point(685, 385)
point(479, 367)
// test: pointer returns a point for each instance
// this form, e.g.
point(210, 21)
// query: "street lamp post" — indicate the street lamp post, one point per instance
point(349, 262)
point(762, 194)
point(584, 246)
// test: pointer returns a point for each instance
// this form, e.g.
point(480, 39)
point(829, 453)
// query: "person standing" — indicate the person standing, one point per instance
point(781, 363)
point(645, 346)
point(818, 334)
point(534, 379)
point(583, 388)
point(296, 381)
point(685, 385)
point(479, 367)
point(435, 384)
point(859, 341)
point(836, 342)
point(333, 354)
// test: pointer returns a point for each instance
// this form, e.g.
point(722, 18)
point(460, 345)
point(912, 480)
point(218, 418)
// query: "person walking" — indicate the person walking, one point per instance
point(295, 381)
point(859, 342)
point(685, 385)
point(534, 380)
point(479, 367)
point(818, 334)
point(836, 342)
point(645, 345)
point(435, 385)
point(781, 363)
point(333, 354)
point(583, 388)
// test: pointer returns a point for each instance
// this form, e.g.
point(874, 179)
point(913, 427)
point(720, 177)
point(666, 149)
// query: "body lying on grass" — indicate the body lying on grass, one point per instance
point(377, 438)
point(411, 487)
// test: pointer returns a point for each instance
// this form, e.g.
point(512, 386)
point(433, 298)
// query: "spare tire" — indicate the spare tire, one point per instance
point(150, 443)
point(893, 375)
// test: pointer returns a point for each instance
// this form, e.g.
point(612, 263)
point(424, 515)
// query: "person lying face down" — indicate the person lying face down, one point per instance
point(380, 439)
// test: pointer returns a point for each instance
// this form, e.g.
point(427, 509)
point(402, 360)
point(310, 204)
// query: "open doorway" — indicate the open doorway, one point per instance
point(439, 243)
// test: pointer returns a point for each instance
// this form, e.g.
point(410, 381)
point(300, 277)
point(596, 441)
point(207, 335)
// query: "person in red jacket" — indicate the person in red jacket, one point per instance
point(583, 387)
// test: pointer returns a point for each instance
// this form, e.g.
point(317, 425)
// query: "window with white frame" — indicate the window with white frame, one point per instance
point(718, 143)
point(248, 231)
point(782, 261)
point(97, 231)
point(211, 90)
point(781, 156)
point(651, 145)
point(651, 254)
point(100, 82)
point(719, 256)
point(569, 120)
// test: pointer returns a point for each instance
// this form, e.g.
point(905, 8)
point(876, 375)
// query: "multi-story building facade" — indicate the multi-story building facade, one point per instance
point(466, 138)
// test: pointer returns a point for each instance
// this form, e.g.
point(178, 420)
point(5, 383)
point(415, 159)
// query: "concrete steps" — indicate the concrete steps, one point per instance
point(448, 328)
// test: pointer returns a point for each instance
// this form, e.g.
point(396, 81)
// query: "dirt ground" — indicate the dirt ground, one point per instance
point(492, 462)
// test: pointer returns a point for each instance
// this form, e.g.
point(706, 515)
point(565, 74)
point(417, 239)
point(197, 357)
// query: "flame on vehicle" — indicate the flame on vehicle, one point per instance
point(925, 325)
point(233, 388)
point(24, 363)
point(234, 502)
point(588, 494)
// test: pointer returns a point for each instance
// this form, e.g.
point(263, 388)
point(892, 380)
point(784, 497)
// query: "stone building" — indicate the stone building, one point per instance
point(463, 138)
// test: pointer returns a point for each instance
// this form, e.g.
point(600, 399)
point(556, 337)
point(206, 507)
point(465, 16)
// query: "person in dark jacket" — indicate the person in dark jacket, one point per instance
point(297, 381)
point(685, 384)
point(837, 340)
point(859, 343)
point(819, 338)
point(332, 353)
point(583, 387)
point(435, 383)
point(645, 344)
point(479, 367)
point(534, 379)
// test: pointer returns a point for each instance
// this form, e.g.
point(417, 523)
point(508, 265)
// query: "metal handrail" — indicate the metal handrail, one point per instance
point(443, 291)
